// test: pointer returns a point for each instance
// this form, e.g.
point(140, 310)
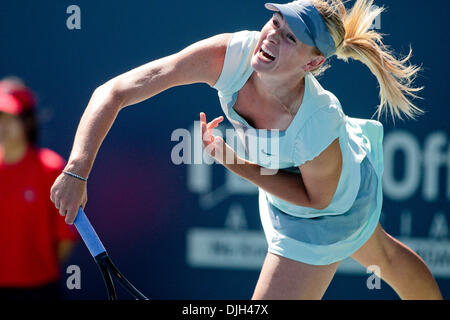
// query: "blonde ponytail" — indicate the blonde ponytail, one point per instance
point(354, 39)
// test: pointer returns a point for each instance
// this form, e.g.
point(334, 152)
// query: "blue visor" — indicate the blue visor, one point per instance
point(307, 24)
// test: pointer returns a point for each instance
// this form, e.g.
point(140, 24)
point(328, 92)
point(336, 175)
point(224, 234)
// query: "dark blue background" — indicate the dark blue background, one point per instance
point(138, 200)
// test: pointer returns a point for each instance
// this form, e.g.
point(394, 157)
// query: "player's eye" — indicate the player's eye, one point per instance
point(291, 38)
point(276, 23)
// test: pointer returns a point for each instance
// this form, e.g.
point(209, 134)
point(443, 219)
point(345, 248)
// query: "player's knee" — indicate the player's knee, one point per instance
point(390, 252)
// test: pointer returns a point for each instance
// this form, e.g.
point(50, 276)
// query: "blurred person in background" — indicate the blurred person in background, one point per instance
point(34, 240)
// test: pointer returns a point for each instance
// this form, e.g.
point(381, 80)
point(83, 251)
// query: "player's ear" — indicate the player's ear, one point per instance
point(315, 62)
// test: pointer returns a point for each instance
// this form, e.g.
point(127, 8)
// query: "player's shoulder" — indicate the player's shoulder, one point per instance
point(50, 159)
point(216, 47)
point(236, 67)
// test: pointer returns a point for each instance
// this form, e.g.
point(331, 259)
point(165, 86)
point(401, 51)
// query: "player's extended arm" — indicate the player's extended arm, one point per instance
point(201, 62)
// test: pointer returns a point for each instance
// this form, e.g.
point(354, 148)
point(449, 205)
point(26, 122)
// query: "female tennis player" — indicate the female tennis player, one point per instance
point(322, 201)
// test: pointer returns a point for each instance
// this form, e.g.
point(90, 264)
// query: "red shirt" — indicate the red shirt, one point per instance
point(30, 225)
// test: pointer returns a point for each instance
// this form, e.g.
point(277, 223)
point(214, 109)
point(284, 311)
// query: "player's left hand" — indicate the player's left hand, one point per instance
point(215, 146)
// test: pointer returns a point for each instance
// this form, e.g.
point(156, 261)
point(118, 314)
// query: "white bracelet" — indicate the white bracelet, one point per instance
point(74, 175)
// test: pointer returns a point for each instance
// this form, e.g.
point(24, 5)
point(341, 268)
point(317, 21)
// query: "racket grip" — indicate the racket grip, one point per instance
point(88, 234)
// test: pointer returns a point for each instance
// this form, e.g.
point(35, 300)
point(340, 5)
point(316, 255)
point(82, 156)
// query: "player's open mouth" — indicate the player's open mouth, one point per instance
point(266, 55)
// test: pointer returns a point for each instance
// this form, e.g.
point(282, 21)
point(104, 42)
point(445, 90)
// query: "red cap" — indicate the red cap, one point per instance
point(10, 104)
point(21, 95)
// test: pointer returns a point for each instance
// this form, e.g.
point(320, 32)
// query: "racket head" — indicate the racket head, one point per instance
point(109, 270)
point(124, 281)
point(101, 261)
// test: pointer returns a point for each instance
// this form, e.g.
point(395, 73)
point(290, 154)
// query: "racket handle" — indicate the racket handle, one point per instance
point(88, 234)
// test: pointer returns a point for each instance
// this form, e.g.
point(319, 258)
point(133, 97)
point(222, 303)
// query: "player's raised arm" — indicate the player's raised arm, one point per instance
point(200, 62)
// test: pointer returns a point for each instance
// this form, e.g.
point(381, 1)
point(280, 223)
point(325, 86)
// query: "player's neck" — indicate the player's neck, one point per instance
point(12, 153)
point(281, 90)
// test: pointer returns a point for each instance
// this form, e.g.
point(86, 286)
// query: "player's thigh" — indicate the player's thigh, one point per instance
point(378, 250)
point(286, 279)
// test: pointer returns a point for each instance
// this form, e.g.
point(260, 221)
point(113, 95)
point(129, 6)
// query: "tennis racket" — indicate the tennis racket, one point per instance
point(107, 268)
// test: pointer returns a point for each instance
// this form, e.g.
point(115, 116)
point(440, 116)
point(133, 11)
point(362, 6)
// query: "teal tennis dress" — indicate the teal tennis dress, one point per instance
point(317, 237)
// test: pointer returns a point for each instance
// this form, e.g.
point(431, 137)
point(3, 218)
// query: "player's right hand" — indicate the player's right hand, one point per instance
point(68, 194)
